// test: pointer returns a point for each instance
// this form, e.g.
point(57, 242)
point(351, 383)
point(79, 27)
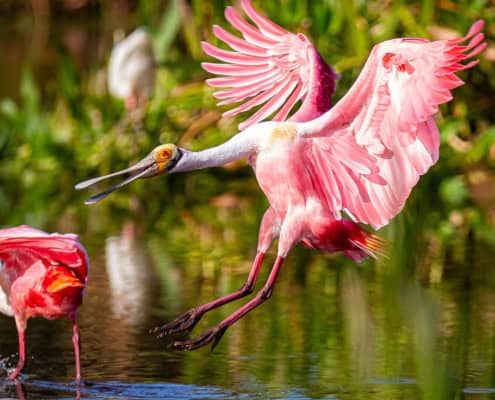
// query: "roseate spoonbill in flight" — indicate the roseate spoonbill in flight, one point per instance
point(132, 69)
point(41, 275)
point(323, 169)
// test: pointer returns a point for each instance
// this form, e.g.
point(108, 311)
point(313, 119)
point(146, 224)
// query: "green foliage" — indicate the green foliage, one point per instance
point(345, 324)
point(167, 30)
point(48, 143)
point(453, 191)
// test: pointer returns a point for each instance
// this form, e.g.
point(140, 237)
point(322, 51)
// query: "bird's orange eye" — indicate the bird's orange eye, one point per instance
point(165, 154)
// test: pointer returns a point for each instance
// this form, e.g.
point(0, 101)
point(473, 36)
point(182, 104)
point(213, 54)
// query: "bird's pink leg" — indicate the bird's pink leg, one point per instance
point(19, 391)
point(215, 334)
point(290, 234)
point(131, 101)
point(21, 328)
point(75, 341)
point(190, 318)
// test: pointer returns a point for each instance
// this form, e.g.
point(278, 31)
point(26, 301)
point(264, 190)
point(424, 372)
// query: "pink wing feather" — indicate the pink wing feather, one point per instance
point(55, 248)
point(269, 67)
point(387, 114)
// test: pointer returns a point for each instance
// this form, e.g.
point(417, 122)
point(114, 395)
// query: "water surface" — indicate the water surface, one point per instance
point(331, 330)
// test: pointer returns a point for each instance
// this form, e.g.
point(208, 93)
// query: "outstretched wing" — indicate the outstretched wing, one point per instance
point(270, 67)
point(388, 113)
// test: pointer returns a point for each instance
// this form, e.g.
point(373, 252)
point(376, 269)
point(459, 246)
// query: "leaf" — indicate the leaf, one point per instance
point(29, 91)
point(453, 190)
point(167, 31)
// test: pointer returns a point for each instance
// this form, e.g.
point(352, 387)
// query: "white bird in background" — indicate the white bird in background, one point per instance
point(132, 69)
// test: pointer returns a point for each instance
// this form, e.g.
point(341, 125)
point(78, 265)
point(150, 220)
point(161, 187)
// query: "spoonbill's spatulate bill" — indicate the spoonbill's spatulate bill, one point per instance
point(41, 275)
point(323, 169)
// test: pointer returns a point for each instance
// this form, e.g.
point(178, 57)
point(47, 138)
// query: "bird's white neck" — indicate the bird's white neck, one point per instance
point(238, 147)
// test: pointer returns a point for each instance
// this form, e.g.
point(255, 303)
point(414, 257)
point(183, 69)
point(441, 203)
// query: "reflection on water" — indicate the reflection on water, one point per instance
point(331, 330)
point(131, 276)
point(113, 390)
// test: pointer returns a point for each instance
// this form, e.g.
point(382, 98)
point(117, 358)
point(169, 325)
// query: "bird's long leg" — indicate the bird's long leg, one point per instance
point(290, 233)
point(190, 318)
point(21, 328)
point(19, 391)
point(75, 341)
point(215, 334)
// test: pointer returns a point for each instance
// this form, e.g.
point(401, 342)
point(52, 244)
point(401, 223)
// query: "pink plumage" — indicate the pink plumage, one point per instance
point(388, 113)
point(367, 153)
point(361, 157)
point(270, 67)
point(41, 275)
point(323, 169)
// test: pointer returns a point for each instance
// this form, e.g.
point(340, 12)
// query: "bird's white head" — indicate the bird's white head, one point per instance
point(161, 159)
point(168, 158)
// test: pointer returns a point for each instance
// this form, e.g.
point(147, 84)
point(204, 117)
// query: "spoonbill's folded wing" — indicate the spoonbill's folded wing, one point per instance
point(388, 114)
point(269, 67)
point(64, 249)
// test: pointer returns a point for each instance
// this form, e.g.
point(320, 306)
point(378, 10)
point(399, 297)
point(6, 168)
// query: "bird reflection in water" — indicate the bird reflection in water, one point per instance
point(34, 390)
point(131, 276)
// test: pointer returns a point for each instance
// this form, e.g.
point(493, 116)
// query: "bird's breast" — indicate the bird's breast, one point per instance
point(282, 176)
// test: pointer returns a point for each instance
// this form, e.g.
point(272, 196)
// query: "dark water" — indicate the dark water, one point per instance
point(331, 330)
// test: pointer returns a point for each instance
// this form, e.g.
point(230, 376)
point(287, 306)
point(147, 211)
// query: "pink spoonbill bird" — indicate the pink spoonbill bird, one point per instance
point(41, 275)
point(323, 169)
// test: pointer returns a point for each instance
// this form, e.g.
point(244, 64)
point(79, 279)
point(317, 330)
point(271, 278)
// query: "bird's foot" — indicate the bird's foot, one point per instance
point(14, 374)
point(182, 324)
point(212, 336)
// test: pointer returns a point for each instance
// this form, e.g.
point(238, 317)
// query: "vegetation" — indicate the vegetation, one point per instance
point(56, 131)
point(49, 141)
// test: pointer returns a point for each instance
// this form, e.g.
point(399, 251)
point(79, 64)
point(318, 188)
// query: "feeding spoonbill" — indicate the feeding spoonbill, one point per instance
point(361, 157)
point(41, 275)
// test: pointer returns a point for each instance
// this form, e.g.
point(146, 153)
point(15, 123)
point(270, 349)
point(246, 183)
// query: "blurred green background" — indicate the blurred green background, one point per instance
point(423, 319)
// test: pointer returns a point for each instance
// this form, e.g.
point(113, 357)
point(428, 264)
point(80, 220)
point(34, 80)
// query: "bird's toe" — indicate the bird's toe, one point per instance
point(181, 324)
point(212, 336)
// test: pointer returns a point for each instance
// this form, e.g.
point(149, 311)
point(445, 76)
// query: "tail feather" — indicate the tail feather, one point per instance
point(373, 245)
